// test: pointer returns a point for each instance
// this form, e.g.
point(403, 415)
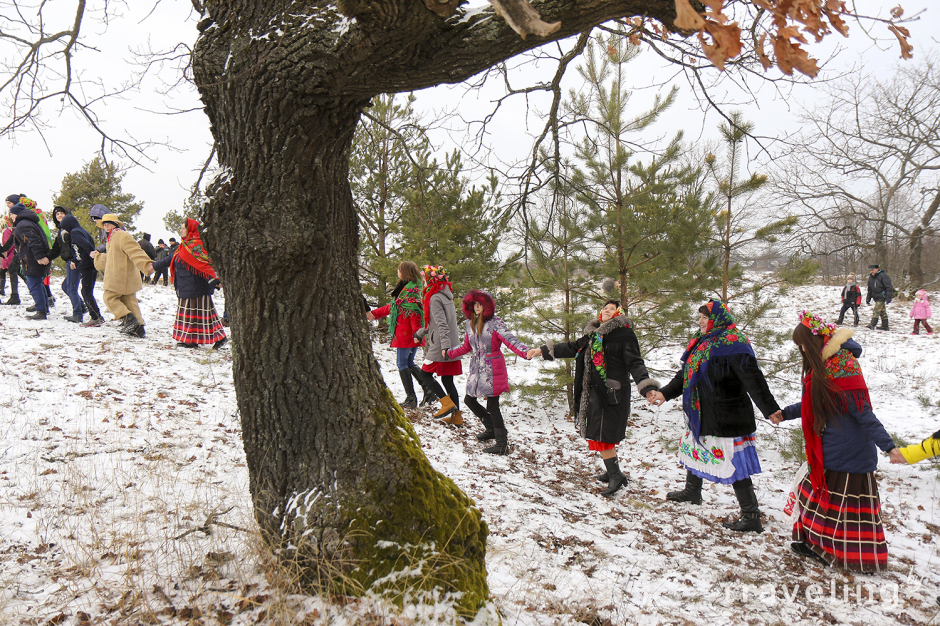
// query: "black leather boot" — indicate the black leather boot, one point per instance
point(502, 445)
point(617, 478)
point(410, 401)
point(421, 376)
point(692, 492)
point(485, 418)
point(884, 323)
point(871, 325)
point(750, 512)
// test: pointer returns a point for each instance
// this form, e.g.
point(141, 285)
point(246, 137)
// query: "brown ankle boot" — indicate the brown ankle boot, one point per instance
point(455, 418)
point(447, 407)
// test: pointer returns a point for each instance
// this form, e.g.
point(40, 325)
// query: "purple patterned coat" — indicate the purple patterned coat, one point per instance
point(488, 377)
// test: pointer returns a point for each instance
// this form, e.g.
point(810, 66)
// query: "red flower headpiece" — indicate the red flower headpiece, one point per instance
point(816, 325)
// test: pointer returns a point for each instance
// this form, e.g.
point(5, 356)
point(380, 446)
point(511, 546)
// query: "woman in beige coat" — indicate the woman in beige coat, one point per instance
point(122, 265)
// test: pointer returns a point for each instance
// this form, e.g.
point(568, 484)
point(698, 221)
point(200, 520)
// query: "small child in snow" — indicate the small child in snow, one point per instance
point(921, 312)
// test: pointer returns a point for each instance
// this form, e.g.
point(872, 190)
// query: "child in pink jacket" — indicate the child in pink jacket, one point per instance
point(921, 312)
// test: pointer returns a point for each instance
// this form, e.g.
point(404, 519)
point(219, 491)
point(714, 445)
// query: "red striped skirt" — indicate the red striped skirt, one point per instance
point(846, 531)
point(197, 321)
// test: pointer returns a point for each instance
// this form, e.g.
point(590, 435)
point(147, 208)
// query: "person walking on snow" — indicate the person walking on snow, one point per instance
point(122, 264)
point(921, 312)
point(406, 317)
point(33, 251)
point(440, 319)
point(851, 298)
point(882, 292)
point(487, 378)
point(82, 261)
point(607, 355)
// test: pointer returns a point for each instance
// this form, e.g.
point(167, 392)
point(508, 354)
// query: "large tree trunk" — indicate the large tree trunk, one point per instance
point(337, 475)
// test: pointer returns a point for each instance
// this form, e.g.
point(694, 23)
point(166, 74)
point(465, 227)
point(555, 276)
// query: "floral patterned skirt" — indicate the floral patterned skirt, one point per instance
point(723, 460)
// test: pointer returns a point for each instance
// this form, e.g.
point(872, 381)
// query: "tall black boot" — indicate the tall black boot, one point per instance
point(874, 322)
point(855, 310)
point(884, 323)
point(3, 283)
point(750, 512)
point(617, 479)
point(692, 492)
point(502, 445)
point(410, 401)
point(421, 376)
point(484, 416)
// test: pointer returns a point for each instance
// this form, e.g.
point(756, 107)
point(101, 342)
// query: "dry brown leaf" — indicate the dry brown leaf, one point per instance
point(902, 34)
point(791, 56)
point(727, 38)
point(686, 17)
point(897, 12)
point(836, 20)
point(761, 55)
point(714, 5)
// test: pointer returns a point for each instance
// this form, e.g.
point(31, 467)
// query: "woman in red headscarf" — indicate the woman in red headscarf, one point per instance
point(193, 276)
point(839, 520)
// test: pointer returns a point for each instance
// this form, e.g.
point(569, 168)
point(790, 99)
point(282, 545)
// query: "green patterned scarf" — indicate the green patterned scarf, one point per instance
point(409, 298)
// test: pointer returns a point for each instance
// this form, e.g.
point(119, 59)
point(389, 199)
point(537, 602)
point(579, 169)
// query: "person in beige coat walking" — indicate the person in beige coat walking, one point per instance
point(122, 265)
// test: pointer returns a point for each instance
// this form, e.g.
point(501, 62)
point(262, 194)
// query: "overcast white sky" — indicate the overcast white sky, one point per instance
point(36, 164)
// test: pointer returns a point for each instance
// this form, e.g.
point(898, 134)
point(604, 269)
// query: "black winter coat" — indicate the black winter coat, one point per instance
point(31, 244)
point(879, 288)
point(605, 409)
point(61, 245)
point(853, 297)
point(188, 285)
point(82, 243)
point(147, 247)
point(726, 409)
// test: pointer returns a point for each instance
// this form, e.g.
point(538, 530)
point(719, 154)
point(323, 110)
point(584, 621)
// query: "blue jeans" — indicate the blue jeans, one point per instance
point(38, 291)
point(70, 287)
point(405, 358)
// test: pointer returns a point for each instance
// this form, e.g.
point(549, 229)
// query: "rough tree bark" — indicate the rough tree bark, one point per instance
point(337, 475)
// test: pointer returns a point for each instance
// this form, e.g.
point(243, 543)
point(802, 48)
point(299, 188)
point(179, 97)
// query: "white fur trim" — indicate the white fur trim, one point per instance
point(835, 342)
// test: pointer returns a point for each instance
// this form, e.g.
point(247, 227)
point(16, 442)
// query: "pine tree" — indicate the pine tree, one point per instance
point(98, 183)
point(447, 221)
point(650, 215)
point(388, 144)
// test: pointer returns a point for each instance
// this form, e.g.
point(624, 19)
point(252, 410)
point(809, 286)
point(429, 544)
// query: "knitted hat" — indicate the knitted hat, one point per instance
point(16, 209)
point(109, 218)
point(14, 198)
point(851, 276)
point(173, 239)
point(161, 242)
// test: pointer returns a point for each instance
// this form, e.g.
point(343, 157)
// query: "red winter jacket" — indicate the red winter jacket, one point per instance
point(409, 322)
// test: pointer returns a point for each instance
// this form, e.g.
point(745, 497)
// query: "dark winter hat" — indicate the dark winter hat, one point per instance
point(147, 236)
point(475, 295)
point(98, 211)
point(173, 239)
point(873, 266)
point(14, 198)
point(16, 209)
point(160, 242)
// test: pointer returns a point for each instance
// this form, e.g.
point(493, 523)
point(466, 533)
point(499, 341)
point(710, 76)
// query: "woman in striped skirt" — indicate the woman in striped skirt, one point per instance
point(194, 278)
point(839, 521)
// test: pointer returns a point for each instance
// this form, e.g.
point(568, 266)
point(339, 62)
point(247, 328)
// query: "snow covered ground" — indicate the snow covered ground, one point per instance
point(124, 500)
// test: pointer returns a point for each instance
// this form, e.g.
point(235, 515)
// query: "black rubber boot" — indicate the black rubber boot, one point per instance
point(617, 478)
point(14, 299)
point(692, 492)
point(856, 315)
point(871, 325)
point(502, 445)
point(410, 401)
point(750, 512)
point(884, 323)
point(421, 376)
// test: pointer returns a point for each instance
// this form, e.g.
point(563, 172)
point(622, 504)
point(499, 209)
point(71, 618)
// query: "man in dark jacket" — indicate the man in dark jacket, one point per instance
point(147, 247)
point(62, 247)
point(33, 250)
point(882, 292)
point(162, 253)
point(82, 262)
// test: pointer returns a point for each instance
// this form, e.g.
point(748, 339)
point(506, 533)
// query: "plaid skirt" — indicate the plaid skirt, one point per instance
point(197, 321)
point(846, 531)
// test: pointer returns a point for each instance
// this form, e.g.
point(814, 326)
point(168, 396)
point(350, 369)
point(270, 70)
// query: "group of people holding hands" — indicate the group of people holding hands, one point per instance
point(837, 519)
